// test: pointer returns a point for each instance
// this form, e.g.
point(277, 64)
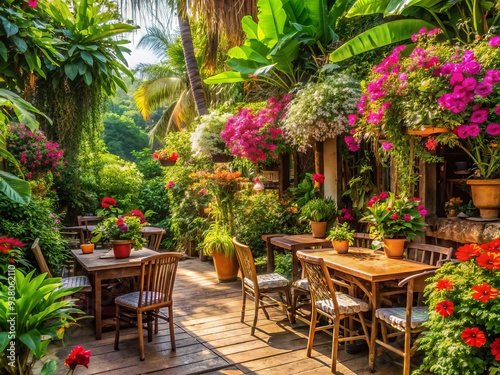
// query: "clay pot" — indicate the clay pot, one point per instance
point(341, 247)
point(226, 267)
point(121, 248)
point(318, 228)
point(394, 247)
point(87, 248)
point(486, 197)
point(428, 131)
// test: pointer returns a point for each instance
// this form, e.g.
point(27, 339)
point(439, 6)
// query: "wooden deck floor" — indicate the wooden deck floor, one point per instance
point(211, 340)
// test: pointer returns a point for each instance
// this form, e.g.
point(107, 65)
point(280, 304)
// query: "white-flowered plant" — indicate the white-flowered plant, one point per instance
point(206, 140)
point(319, 110)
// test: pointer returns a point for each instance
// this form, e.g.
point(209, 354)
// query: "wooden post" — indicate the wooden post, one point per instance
point(319, 166)
point(284, 171)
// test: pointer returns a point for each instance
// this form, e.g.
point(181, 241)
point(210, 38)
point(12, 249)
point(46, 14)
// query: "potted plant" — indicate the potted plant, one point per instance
point(462, 335)
point(320, 110)
point(124, 233)
point(319, 211)
point(395, 220)
point(165, 157)
point(206, 140)
point(218, 243)
point(342, 236)
point(452, 206)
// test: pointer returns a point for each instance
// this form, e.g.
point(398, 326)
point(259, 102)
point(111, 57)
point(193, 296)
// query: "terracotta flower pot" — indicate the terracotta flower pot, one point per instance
point(87, 248)
point(486, 197)
point(428, 131)
point(341, 247)
point(226, 267)
point(318, 228)
point(121, 248)
point(394, 247)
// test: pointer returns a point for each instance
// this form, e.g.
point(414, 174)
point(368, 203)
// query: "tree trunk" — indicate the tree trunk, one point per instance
point(192, 67)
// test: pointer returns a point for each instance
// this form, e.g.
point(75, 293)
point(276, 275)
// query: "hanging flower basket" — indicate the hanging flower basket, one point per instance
point(428, 131)
point(222, 158)
point(167, 162)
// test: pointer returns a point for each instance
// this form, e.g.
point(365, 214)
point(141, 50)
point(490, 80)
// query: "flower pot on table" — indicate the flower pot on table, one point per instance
point(341, 247)
point(394, 247)
point(87, 248)
point(121, 248)
point(486, 197)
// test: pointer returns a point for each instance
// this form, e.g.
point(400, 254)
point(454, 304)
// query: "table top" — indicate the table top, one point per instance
point(94, 262)
point(369, 265)
point(299, 241)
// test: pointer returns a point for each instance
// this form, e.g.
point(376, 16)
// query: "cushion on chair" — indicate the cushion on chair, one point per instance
point(131, 300)
point(396, 316)
point(301, 284)
point(347, 304)
point(77, 281)
point(268, 281)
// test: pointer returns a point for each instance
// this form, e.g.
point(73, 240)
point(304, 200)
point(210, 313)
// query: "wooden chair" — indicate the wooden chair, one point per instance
point(332, 304)
point(407, 321)
point(155, 292)
point(153, 236)
point(260, 287)
point(68, 282)
point(428, 254)
point(362, 240)
point(85, 220)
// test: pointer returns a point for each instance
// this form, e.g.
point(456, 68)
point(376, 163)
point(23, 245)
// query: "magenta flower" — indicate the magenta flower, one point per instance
point(352, 119)
point(386, 146)
point(481, 115)
point(469, 83)
point(494, 42)
point(352, 143)
point(407, 217)
point(383, 195)
point(32, 3)
point(493, 129)
point(394, 216)
point(497, 110)
point(483, 89)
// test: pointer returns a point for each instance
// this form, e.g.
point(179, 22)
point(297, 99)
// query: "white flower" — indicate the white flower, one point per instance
point(206, 140)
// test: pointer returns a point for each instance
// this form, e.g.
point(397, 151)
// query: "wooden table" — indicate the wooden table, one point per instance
point(107, 268)
point(292, 243)
point(365, 264)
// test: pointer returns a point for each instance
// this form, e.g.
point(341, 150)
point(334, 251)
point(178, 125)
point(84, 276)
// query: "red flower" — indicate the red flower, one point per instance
point(464, 253)
point(119, 222)
point(444, 284)
point(492, 245)
point(173, 156)
point(495, 349)
point(394, 216)
point(474, 337)
point(319, 178)
point(78, 356)
point(431, 144)
point(139, 214)
point(484, 292)
point(445, 308)
point(7, 243)
point(107, 202)
point(489, 260)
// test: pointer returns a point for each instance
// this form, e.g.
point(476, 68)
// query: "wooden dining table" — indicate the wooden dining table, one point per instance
point(374, 268)
point(102, 265)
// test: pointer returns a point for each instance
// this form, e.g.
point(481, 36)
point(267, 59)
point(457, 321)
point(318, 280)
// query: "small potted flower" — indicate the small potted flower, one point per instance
point(166, 159)
point(342, 236)
point(452, 206)
point(319, 212)
point(395, 220)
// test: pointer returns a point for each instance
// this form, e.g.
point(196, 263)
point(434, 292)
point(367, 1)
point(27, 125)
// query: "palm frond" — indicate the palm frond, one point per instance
point(157, 39)
point(152, 94)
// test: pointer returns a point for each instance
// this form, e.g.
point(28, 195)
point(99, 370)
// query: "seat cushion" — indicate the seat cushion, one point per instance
point(396, 316)
point(347, 305)
point(131, 300)
point(268, 281)
point(77, 281)
point(301, 284)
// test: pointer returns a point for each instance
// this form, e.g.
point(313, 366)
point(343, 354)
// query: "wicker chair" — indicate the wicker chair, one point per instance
point(260, 287)
point(155, 292)
point(332, 304)
point(406, 321)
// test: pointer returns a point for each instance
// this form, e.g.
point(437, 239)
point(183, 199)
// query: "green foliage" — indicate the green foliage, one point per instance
point(40, 312)
point(217, 239)
point(283, 264)
point(342, 232)
point(122, 136)
point(305, 190)
point(361, 187)
point(319, 209)
point(126, 228)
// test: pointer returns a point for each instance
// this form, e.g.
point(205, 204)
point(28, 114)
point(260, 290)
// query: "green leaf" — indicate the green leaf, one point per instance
point(49, 367)
point(272, 19)
point(87, 77)
point(71, 70)
point(87, 57)
point(226, 77)
point(4, 341)
point(14, 188)
point(366, 7)
point(20, 43)
point(382, 35)
point(3, 51)
point(249, 27)
point(10, 28)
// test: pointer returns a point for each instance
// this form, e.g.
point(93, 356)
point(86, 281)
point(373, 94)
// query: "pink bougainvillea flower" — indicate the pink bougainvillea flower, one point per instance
point(484, 292)
point(170, 185)
point(489, 260)
point(387, 145)
point(467, 251)
point(444, 284)
point(78, 356)
point(319, 178)
point(352, 119)
point(108, 202)
point(32, 3)
point(352, 143)
point(473, 337)
point(495, 349)
point(445, 308)
point(494, 42)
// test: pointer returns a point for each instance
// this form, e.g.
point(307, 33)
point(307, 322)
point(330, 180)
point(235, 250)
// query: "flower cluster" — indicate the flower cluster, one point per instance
point(206, 139)
point(108, 208)
point(127, 227)
point(35, 153)
point(164, 155)
point(453, 204)
point(320, 110)
point(11, 253)
point(463, 313)
point(78, 356)
point(395, 217)
point(257, 136)
point(346, 215)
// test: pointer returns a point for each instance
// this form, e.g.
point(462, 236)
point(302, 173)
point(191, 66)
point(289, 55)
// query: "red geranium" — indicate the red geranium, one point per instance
point(444, 284)
point(319, 178)
point(173, 156)
point(474, 337)
point(445, 308)
point(78, 356)
point(7, 243)
point(107, 202)
point(489, 260)
point(464, 253)
point(484, 292)
point(495, 349)
point(139, 214)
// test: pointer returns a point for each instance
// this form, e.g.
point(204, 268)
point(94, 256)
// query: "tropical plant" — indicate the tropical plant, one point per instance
point(217, 239)
point(33, 311)
point(341, 232)
point(463, 328)
point(319, 209)
point(127, 227)
point(11, 252)
point(206, 139)
point(389, 216)
point(319, 110)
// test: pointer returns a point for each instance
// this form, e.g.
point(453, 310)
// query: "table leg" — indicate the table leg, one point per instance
point(97, 305)
point(295, 266)
point(270, 255)
point(373, 336)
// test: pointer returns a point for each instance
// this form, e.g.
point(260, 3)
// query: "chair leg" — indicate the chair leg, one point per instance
point(262, 304)
point(157, 313)
point(171, 326)
point(255, 313)
point(141, 337)
point(289, 307)
point(149, 316)
point(407, 353)
point(243, 305)
point(295, 298)
point(117, 327)
point(312, 330)
point(335, 344)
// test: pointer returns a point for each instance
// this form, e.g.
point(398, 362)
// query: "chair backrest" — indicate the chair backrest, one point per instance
point(415, 284)
point(88, 220)
point(362, 240)
point(428, 254)
point(321, 286)
point(40, 259)
point(247, 264)
point(157, 279)
point(153, 237)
